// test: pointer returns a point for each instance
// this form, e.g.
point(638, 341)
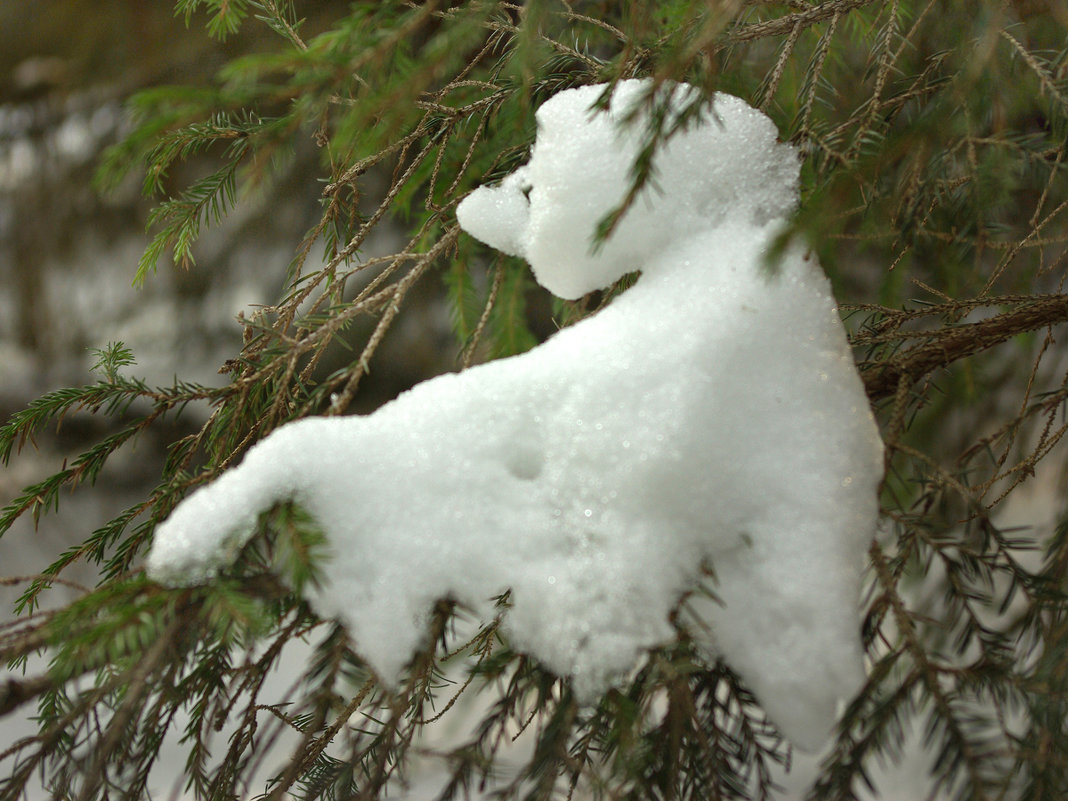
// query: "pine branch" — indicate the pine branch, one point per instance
point(914, 157)
point(947, 345)
point(790, 22)
point(15, 693)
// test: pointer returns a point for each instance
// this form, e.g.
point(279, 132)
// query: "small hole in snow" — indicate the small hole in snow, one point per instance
point(524, 466)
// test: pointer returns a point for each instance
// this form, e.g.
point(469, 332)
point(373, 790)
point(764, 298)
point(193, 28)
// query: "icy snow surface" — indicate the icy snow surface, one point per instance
point(712, 414)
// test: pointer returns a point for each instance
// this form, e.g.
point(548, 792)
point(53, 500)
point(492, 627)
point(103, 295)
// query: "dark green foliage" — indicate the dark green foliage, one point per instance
point(934, 192)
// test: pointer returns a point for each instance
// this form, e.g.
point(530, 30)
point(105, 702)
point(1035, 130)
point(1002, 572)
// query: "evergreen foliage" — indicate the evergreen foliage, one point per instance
point(934, 194)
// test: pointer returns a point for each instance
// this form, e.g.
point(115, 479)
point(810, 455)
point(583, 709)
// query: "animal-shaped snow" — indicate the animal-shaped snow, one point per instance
point(709, 416)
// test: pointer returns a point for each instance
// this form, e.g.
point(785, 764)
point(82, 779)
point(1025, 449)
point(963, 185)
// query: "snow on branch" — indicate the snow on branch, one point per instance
point(710, 420)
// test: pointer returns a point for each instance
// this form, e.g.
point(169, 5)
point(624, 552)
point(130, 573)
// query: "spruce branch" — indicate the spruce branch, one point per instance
point(14, 693)
point(799, 19)
point(945, 346)
point(922, 151)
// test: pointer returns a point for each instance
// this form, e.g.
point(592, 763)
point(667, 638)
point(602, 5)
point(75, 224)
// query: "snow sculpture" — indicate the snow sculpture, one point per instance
point(712, 414)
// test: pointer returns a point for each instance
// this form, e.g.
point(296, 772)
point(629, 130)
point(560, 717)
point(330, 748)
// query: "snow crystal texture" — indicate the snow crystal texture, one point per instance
point(711, 415)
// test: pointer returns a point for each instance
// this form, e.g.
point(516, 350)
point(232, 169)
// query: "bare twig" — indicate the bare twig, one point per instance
point(947, 345)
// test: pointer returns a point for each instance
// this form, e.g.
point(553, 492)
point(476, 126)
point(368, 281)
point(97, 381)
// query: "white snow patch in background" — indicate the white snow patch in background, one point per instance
point(711, 415)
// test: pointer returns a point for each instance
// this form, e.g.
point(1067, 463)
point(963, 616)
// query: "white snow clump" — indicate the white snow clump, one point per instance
point(711, 415)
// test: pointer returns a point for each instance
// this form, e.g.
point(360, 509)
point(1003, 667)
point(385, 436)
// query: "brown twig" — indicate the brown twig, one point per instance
point(946, 345)
point(15, 693)
point(784, 25)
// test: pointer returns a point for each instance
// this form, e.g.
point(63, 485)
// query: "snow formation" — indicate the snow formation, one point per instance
point(711, 415)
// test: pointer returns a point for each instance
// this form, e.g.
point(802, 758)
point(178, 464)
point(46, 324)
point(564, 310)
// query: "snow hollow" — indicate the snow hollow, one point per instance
point(710, 417)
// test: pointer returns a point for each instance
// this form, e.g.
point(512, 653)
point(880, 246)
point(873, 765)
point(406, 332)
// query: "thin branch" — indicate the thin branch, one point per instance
point(951, 343)
point(784, 25)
